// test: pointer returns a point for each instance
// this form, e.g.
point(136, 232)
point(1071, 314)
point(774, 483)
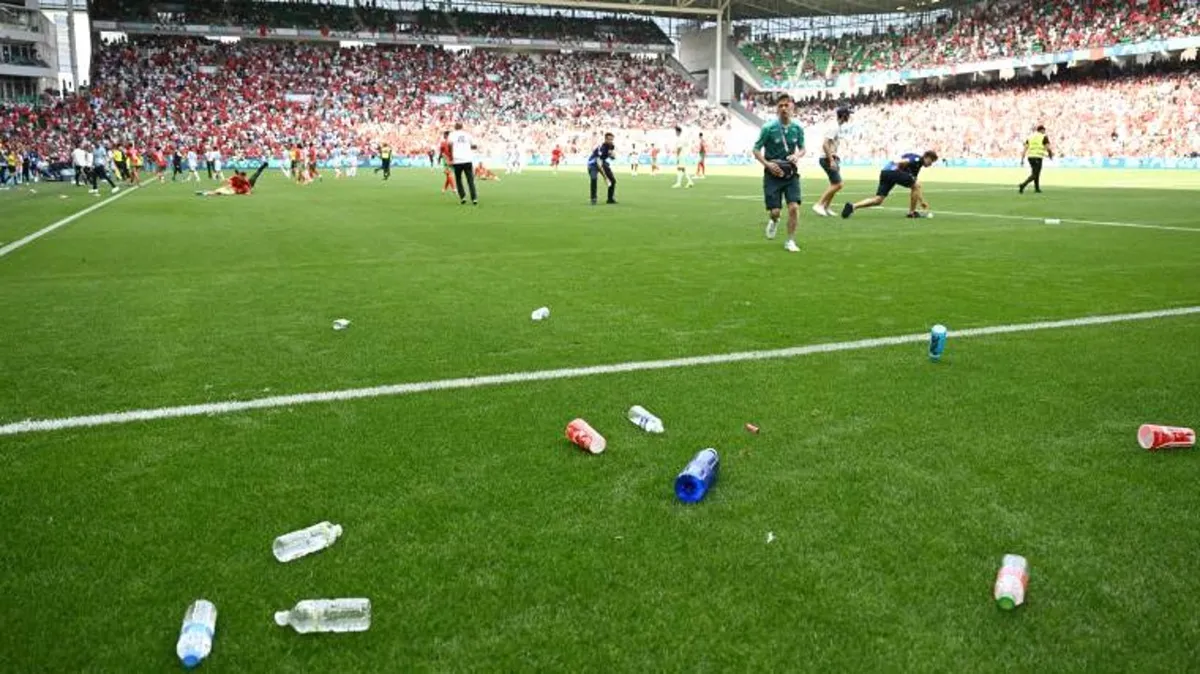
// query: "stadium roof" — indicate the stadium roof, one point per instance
point(751, 9)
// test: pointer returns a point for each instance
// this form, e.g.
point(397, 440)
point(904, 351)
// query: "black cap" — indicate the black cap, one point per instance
point(844, 111)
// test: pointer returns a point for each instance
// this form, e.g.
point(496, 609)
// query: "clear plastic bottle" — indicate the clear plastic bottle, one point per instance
point(196, 635)
point(1011, 582)
point(642, 418)
point(327, 615)
point(305, 541)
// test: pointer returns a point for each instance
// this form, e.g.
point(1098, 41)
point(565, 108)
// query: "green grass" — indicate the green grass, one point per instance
point(486, 542)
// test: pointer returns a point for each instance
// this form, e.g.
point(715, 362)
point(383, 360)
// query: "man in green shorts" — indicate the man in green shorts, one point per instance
point(779, 148)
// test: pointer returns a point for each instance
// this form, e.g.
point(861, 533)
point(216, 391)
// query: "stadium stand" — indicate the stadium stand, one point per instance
point(1007, 28)
point(1102, 111)
point(363, 17)
point(257, 97)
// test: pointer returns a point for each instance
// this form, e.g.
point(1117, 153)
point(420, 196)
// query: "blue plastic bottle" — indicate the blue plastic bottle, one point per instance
point(698, 477)
point(937, 342)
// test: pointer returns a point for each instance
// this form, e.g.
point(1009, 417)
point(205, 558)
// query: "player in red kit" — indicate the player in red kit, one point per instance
point(446, 152)
point(238, 185)
point(556, 157)
point(703, 152)
point(653, 159)
point(313, 174)
point(160, 165)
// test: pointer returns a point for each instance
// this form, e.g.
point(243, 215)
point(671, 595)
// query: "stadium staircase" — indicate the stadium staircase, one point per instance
point(738, 111)
point(742, 67)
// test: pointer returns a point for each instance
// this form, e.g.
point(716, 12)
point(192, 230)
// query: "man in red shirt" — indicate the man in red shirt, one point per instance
point(160, 165)
point(556, 157)
point(313, 174)
point(239, 184)
point(446, 152)
point(653, 159)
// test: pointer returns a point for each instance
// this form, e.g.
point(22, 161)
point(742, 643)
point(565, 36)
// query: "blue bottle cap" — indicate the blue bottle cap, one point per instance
point(191, 660)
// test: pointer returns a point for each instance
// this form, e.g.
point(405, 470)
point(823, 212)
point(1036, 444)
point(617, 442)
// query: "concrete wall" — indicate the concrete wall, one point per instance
point(697, 53)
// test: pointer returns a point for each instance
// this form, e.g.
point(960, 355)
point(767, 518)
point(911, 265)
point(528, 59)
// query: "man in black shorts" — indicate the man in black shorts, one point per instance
point(902, 172)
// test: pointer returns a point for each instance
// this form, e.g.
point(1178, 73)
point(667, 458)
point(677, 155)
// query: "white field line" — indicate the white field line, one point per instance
point(207, 409)
point(20, 243)
point(1029, 218)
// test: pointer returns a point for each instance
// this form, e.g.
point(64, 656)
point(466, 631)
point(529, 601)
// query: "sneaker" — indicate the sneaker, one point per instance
point(611, 201)
point(791, 246)
point(772, 227)
point(115, 189)
point(821, 210)
point(593, 202)
point(462, 202)
point(847, 210)
point(914, 214)
point(676, 186)
point(1021, 188)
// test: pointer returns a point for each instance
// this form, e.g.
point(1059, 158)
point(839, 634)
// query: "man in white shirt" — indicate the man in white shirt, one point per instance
point(462, 148)
point(831, 162)
point(192, 158)
point(79, 162)
point(214, 164)
point(680, 170)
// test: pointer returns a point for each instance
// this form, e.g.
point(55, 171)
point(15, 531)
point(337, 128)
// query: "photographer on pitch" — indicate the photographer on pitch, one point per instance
point(779, 147)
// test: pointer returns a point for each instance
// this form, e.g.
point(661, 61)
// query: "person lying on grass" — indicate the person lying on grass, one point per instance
point(239, 184)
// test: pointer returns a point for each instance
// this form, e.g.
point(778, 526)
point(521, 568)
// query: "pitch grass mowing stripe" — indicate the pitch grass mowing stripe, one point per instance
point(205, 409)
point(20, 243)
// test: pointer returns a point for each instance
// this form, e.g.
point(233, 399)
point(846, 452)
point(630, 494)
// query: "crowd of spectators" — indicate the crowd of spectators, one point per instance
point(258, 97)
point(1102, 111)
point(370, 17)
point(989, 30)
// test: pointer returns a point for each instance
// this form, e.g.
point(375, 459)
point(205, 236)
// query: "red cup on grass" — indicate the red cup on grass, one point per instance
point(582, 434)
point(1153, 436)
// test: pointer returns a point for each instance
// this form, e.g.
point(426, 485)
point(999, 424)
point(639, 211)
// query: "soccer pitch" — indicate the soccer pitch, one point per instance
point(892, 486)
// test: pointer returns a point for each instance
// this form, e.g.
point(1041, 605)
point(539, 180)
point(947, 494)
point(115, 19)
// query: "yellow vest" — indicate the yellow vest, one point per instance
point(387, 153)
point(1036, 146)
point(118, 156)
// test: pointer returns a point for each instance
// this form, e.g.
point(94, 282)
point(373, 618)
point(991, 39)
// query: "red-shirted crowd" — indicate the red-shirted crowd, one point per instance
point(258, 99)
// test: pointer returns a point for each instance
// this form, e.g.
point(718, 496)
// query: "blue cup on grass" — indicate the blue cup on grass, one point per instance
point(937, 342)
point(698, 477)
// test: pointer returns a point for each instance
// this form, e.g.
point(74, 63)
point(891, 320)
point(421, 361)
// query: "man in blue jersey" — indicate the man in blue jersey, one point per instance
point(597, 164)
point(903, 172)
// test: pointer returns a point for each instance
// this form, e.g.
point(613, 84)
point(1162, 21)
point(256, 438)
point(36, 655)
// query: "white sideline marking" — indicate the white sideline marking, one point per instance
point(20, 243)
point(1098, 223)
point(999, 216)
point(206, 409)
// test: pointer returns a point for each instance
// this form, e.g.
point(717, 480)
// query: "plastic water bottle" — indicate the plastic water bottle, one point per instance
point(540, 314)
point(306, 541)
point(1011, 582)
point(327, 615)
point(196, 635)
point(698, 477)
point(341, 324)
point(937, 342)
point(583, 435)
point(642, 418)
